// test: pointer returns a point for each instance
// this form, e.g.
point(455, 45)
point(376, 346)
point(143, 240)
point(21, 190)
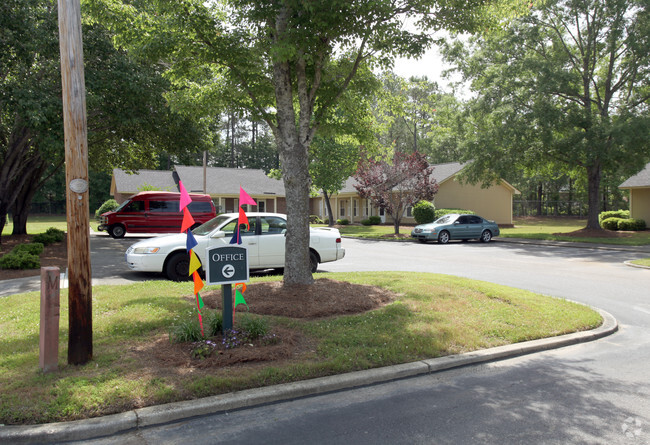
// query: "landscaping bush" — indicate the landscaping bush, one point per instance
point(631, 224)
point(366, 222)
point(424, 212)
point(343, 222)
point(622, 214)
point(108, 205)
point(50, 236)
point(31, 248)
point(20, 260)
point(374, 220)
point(442, 212)
point(256, 327)
point(610, 223)
point(315, 219)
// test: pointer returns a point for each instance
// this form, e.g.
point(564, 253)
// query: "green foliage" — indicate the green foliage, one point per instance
point(31, 248)
point(256, 327)
point(20, 260)
point(624, 214)
point(343, 222)
point(424, 212)
point(107, 206)
point(315, 219)
point(442, 212)
point(631, 224)
point(50, 236)
point(186, 330)
point(610, 223)
point(371, 221)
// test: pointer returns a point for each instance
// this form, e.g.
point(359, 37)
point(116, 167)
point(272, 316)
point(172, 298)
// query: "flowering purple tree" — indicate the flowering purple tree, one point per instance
point(397, 183)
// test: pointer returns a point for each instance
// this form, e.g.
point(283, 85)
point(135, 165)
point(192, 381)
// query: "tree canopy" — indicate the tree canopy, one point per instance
point(563, 90)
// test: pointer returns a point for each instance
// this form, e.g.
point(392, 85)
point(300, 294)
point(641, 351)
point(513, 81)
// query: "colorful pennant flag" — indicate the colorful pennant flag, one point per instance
point(191, 241)
point(185, 197)
point(195, 263)
point(244, 198)
point(188, 221)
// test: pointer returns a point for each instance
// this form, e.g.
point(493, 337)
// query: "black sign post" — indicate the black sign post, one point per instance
point(227, 265)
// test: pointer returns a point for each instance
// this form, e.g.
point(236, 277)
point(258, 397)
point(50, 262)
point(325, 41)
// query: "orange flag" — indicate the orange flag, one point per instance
point(198, 282)
point(188, 221)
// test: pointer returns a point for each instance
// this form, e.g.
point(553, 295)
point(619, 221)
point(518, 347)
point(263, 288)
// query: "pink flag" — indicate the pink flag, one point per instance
point(185, 197)
point(245, 199)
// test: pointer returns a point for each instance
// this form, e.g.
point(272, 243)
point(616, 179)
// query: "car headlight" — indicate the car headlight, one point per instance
point(428, 231)
point(144, 250)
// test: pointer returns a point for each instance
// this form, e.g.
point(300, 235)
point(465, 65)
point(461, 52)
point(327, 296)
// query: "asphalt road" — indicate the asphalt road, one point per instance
point(592, 393)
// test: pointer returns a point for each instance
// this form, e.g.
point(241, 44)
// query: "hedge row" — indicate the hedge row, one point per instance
point(614, 223)
point(620, 214)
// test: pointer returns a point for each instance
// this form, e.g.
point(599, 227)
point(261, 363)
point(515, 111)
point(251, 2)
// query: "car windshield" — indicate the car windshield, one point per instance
point(209, 226)
point(446, 219)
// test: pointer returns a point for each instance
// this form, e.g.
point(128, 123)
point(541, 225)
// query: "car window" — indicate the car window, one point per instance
point(445, 219)
point(164, 206)
point(232, 225)
point(199, 207)
point(475, 220)
point(209, 226)
point(134, 206)
point(463, 220)
point(272, 225)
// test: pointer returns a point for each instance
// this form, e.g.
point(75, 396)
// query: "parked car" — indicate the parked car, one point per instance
point(455, 226)
point(265, 241)
point(155, 212)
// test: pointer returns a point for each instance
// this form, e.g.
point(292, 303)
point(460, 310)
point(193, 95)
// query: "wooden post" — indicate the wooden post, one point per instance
point(80, 346)
point(49, 328)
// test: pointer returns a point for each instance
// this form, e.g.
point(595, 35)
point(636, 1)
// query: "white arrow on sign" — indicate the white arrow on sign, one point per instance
point(228, 271)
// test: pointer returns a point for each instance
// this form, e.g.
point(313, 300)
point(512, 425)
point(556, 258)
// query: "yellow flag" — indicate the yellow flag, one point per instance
point(195, 263)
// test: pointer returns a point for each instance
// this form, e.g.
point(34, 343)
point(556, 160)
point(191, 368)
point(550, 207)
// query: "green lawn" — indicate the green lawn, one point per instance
point(434, 315)
point(644, 262)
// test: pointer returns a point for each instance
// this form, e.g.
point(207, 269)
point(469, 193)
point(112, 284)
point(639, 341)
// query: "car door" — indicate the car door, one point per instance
point(461, 227)
point(249, 239)
point(475, 227)
point(272, 241)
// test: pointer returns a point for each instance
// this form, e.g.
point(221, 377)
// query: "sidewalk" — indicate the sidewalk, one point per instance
point(172, 412)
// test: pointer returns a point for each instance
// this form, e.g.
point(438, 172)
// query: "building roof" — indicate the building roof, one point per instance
point(226, 181)
point(220, 181)
point(128, 183)
point(641, 179)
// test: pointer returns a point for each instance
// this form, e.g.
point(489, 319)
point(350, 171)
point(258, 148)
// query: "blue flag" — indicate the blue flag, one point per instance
point(191, 241)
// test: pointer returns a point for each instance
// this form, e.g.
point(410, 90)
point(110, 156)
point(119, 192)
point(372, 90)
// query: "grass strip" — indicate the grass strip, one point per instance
point(435, 315)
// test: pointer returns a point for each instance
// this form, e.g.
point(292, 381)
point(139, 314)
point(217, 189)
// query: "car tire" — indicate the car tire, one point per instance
point(443, 237)
point(177, 267)
point(486, 236)
point(313, 261)
point(117, 231)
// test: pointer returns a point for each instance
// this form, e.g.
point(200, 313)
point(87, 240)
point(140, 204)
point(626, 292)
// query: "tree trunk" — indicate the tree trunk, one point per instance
point(540, 196)
point(593, 185)
point(23, 201)
point(328, 204)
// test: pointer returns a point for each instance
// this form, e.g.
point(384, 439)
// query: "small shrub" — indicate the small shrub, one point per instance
point(202, 349)
point(343, 222)
point(186, 331)
point(610, 223)
point(20, 260)
point(255, 326)
point(631, 224)
point(366, 222)
point(50, 236)
point(31, 248)
point(424, 212)
point(622, 214)
point(233, 338)
point(108, 205)
point(442, 212)
point(212, 323)
point(374, 219)
point(55, 233)
point(315, 219)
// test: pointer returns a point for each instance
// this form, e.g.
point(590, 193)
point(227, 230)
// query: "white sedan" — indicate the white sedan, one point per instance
point(265, 242)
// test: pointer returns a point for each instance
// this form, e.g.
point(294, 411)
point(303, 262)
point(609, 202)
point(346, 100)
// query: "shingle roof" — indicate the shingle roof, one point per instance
point(441, 172)
point(226, 181)
point(126, 183)
point(641, 179)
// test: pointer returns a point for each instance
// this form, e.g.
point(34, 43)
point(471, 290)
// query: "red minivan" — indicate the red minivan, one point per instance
point(155, 212)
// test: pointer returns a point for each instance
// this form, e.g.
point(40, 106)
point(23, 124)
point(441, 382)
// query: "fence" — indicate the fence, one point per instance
point(549, 208)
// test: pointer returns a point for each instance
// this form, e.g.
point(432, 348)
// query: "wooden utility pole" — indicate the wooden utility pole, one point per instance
point(80, 342)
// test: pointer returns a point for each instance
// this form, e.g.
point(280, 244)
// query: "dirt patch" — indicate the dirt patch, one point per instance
point(53, 255)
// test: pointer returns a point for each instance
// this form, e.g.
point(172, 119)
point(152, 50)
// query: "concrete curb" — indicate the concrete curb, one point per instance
point(638, 266)
point(161, 414)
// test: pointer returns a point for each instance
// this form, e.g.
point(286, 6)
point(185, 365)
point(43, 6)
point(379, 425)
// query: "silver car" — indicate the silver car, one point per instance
point(456, 227)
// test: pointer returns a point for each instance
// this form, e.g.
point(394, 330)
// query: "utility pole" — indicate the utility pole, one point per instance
point(80, 342)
